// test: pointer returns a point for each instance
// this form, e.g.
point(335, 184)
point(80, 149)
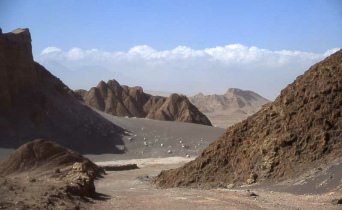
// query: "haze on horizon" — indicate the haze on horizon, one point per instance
point(179, 46)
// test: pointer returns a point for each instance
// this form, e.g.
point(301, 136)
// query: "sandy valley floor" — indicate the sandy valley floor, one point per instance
point(131, 190)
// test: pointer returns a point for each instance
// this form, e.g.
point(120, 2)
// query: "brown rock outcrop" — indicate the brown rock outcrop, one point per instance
point(119, 100)
point(36, 104)
point(300, 130)
point(50, 172)
point(44, 155)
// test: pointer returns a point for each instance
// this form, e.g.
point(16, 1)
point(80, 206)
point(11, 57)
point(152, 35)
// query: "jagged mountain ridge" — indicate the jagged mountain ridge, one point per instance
point(119, 100)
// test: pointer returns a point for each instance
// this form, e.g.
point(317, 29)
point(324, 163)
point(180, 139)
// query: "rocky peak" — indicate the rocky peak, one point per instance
point(176, 97)
point(121, 100)
point(101, 84)
point(114, 84)
point(234, 91)
point(17, 66)
point(19, 40)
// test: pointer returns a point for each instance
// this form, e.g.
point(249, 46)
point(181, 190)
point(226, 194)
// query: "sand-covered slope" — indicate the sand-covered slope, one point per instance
point(300, 130)
point(147, 138)
point(36, 104)
point(121, 100)
point(227, 109)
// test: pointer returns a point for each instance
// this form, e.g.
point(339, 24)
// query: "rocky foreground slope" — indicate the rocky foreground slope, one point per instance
point(36, 104)
point(46, 176)
point(227, 109)
point(119, 100)
point(299, 131)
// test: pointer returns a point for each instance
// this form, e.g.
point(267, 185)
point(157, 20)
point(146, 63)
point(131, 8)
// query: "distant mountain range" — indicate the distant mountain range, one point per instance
point(227, 109)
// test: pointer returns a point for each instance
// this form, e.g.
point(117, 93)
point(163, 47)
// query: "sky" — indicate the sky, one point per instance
point(186, 46)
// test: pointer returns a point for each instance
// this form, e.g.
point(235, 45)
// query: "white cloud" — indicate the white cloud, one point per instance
point(75, 54)
point(184, 69)
point(331, 51)
point(50, 50)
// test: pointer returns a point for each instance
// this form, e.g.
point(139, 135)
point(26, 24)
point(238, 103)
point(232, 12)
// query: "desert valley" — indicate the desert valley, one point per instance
point(269, 160)
point(118, 146)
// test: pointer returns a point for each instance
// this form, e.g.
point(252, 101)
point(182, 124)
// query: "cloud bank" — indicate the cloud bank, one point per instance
point(182, 69)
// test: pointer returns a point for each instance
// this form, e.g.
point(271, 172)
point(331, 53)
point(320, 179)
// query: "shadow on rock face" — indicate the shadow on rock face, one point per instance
point(36, 104)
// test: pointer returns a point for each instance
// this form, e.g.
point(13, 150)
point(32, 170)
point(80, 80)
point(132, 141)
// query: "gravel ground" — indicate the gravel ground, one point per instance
point(146, 138)
point(132, 190)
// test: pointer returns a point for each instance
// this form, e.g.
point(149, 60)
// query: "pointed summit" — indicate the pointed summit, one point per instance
point(121, 100)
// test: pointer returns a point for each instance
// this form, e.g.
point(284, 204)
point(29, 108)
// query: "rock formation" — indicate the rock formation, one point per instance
point(36, 104)
point(42, 155)
point(227, 109)
point(53, 174)
point(299, 131)
point(119, 100)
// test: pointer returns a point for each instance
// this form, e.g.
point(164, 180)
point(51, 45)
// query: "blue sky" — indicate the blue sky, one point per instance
point(311, 26)
point(307, 25)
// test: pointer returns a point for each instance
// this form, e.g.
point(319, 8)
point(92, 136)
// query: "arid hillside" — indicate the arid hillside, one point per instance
point(299, 131)
point(56, 176)
point(121, 100)
point(227, 109)
point(36, 104)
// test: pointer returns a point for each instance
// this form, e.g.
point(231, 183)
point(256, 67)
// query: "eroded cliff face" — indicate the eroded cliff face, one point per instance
point(300, 130)
point(36, 104)
point(121, 100)
point(17, 67)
